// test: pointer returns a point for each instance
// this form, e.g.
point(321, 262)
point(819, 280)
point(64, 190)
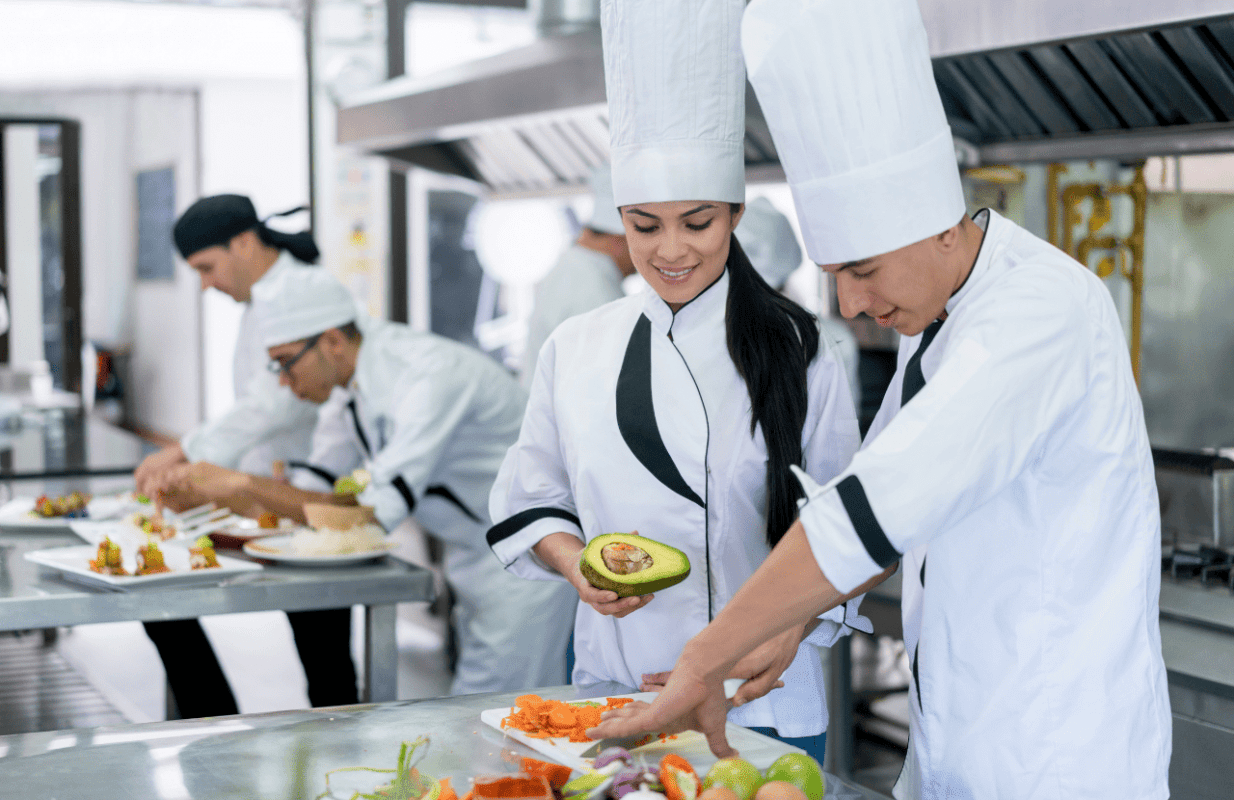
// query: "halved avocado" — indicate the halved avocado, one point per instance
point(629, 564)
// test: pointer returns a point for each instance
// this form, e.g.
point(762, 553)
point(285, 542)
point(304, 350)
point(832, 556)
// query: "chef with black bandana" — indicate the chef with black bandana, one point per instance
point(1008, 471)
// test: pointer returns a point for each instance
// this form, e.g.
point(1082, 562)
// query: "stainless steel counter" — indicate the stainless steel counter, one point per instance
point(69, 443)
point(280, 756)
point(33, 598)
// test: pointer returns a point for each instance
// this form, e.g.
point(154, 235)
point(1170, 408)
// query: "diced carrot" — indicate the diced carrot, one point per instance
point(557, 775)
point(447, 791)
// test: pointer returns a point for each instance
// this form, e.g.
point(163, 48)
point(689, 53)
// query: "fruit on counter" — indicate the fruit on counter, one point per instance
point(718, 792)
point(611, 754)
point(631, 779)
point(630, 564)
point(679, 779)
point(355, 483)
point(107, 562)
point(779, 790)
point(801, 771)
point(734, 773)
point(72, 506)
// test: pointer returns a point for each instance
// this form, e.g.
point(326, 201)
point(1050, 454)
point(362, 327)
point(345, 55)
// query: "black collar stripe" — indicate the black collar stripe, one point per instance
point(853, 496)
point(355, 418)
point(405, 491)
point(325, 475)
point(636, 414)
point(914, 378)
point(512, 525)
point(450, 497)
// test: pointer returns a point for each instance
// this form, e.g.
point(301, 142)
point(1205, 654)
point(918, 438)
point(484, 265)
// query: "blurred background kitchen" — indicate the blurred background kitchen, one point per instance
point(444, 148)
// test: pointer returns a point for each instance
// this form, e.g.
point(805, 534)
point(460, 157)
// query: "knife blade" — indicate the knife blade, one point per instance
point(630, 742)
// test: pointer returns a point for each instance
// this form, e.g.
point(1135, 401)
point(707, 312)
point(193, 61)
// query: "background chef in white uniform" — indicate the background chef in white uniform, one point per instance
point(640, 417)
point(768, 239)
point(586, 276)
point(430, 419)
point(1009, 456)
point(233, 251)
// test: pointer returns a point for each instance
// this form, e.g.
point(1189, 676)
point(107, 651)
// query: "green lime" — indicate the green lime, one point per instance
point(801, 771)
point(736, 774)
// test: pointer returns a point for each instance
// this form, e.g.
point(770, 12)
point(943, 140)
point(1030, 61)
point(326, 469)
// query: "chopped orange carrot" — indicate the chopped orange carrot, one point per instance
point(557, 775)
point(546, 719)
point(447, 791)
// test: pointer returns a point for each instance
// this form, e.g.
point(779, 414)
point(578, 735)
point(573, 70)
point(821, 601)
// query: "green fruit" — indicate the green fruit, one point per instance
point(801, 771)
point(629, 564)
point(736, 774)
point(355, 483)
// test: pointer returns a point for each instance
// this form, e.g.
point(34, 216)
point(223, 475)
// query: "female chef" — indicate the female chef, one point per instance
point(1009, 457)
point(677, 412)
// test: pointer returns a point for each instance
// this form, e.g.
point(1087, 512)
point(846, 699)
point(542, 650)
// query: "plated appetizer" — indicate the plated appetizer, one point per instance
point(72, 506)
point(201, 554)
point(150, 559)
point(107, 562)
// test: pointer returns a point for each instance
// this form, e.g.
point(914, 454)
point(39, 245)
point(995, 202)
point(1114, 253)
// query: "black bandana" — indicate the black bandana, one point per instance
point(216, 220)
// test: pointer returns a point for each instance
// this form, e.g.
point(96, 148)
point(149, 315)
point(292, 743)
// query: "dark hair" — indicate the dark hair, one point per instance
point(350, 330)
point(300, 245)
point(772, 341)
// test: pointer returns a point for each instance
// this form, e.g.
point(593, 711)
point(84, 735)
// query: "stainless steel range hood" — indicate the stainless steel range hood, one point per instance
point(1020, 81)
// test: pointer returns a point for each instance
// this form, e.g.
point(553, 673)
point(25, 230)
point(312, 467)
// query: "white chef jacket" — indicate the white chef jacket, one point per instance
point(1017, 488)
point(606, 448)
point(267, 422)
point(431, 419)
point(581, 280)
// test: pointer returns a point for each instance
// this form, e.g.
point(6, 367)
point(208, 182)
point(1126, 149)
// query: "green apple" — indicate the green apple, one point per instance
point(736, 774)
point(801, 771)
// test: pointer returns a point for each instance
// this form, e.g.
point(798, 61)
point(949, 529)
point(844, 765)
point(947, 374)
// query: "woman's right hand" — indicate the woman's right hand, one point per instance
point(605, 601)
point(560, 551)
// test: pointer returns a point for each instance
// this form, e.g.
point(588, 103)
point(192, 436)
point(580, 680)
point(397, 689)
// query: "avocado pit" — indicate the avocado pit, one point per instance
point(625, 559)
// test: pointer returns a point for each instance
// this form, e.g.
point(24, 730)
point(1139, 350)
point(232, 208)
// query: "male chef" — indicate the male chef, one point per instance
point(1008, 469)
point(430, 420)
point(586, 276)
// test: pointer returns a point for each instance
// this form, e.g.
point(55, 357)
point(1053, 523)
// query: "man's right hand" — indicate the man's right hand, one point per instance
point(151, 473)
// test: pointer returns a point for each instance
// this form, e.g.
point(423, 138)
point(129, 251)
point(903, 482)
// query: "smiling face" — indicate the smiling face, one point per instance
point(679, 247)
point(905, 289)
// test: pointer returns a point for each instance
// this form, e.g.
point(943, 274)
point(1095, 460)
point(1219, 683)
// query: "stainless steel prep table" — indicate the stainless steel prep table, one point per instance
point(33, 598)
point(281, 756)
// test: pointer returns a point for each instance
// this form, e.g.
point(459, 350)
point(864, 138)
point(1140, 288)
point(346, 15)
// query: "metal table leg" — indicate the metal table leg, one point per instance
point(840, 730)
point(380, 655)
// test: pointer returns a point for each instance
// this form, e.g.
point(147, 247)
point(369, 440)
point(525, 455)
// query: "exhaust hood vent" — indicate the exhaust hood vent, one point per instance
point(534, 121)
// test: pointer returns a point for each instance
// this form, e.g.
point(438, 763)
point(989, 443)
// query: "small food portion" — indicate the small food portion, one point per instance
point(355, 483)
point(511, 787)
point(629, 564)
point(546, 719)
point(801, 771)
point(150, 559)
point(737, 774)
point(679, 778)
point(107, 562)
point(72, 506)
point(632, 779)
point(557, 775)
point(202, 555)
point(267, 520)
point(153, 525)
point(779, 790)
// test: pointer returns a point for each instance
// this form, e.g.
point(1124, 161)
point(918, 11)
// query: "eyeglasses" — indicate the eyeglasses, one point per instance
point(284, 367)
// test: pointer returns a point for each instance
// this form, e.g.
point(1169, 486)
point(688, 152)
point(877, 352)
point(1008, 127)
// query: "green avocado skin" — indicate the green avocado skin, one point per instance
point(633, 589)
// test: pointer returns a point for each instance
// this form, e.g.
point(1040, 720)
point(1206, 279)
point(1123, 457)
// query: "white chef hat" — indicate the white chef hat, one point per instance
point(605, 217)
point(768, 240)
point(849, 95)
point(676, 99)
point(300, 302)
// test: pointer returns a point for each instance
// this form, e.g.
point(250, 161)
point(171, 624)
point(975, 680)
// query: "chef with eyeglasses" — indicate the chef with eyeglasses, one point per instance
point(1008, 470)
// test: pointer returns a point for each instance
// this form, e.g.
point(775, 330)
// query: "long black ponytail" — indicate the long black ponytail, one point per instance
point(301, 245)
point(772, 341)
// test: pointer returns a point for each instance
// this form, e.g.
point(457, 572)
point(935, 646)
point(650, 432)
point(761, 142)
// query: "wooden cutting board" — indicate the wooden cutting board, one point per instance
point(756, 748)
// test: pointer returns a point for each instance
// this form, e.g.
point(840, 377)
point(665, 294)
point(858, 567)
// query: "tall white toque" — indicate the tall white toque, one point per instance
point(848, 92)
point(676, 99)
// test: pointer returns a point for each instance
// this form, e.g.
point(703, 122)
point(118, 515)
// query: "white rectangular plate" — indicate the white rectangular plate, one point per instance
point(18, 513)
point(759, 750)
point(74, 563)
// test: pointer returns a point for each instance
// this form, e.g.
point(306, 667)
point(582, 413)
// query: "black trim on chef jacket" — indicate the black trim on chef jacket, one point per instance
point(853, 496)
point(450, 497)
point(355, 418)
point(636, 416)
point(325, 475)
point(403, 489)
point(512, 525)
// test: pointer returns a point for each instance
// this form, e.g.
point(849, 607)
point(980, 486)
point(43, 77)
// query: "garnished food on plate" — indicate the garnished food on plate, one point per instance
point(72, 506)
point(201, 554)
point(108, 562)
point(355, 483)
point(267, 520)
point(630, 564)
point(327, 542)
point(153, 525)
point(150, 558)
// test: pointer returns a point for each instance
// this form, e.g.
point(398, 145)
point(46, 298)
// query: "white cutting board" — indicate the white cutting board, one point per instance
point(756, 748)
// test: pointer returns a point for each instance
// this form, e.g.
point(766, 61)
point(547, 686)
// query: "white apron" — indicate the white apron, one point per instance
point(627, 429)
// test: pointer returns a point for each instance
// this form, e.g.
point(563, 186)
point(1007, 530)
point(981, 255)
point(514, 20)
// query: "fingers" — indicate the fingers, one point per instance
point(756, 688)
point(629, 720)
point(608, 603)
point(654, 681)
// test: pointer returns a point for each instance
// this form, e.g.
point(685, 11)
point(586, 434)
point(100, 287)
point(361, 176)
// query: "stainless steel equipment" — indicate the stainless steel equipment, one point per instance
point(1196, 492)
point(1054, 80)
